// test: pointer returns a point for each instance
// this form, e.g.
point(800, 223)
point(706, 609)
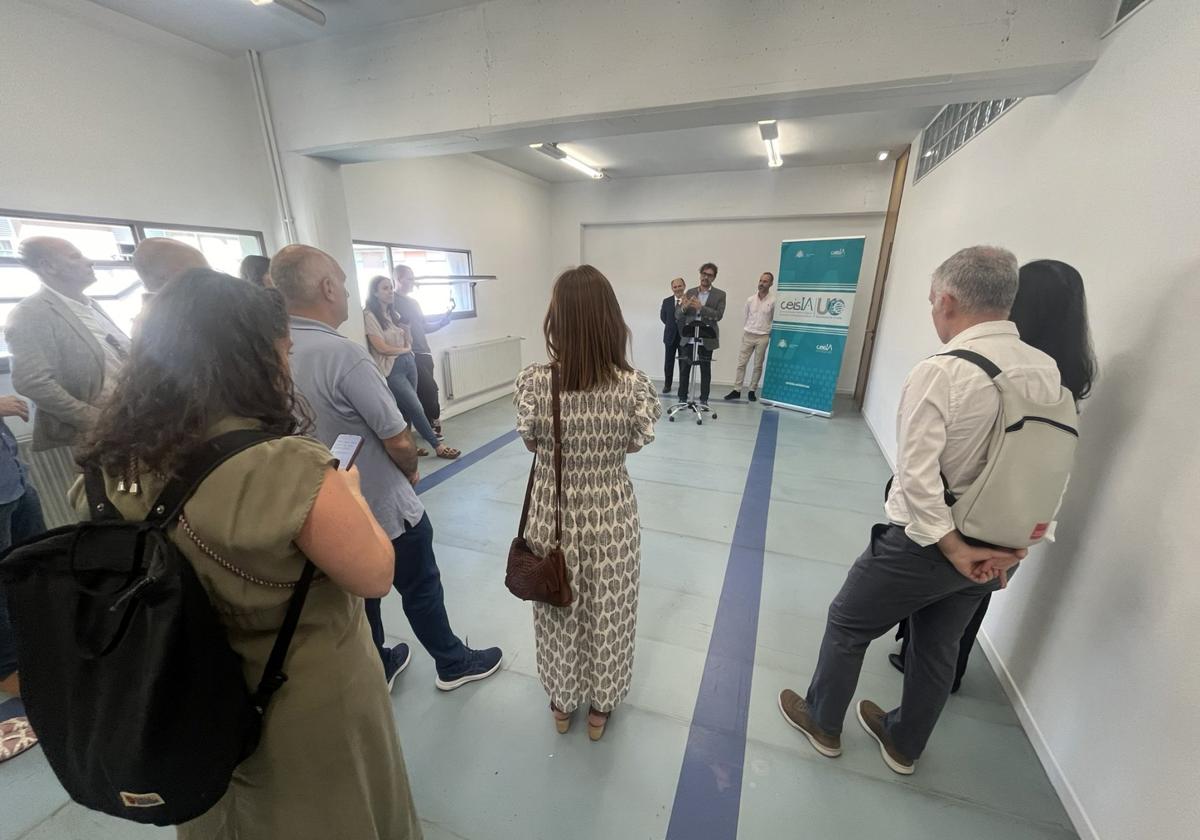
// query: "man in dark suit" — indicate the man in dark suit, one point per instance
point(704, 304)
point(671, 330)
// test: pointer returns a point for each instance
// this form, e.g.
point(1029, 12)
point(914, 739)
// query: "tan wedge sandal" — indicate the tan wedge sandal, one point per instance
point(596, 730)
point(562, 720)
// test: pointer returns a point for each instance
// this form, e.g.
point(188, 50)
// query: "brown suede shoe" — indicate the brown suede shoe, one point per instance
point(795, 712)
point(871, 718)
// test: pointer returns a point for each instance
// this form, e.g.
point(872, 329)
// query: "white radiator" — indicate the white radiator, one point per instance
point(475, 368)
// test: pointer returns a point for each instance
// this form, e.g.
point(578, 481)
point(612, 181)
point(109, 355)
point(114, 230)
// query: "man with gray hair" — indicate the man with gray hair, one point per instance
point(918, 566)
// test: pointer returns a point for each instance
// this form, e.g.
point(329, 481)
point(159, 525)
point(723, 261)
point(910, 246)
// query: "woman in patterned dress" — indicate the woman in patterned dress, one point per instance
point(608, 409)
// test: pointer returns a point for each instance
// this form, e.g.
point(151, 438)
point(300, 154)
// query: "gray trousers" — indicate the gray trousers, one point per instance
point(893, 579)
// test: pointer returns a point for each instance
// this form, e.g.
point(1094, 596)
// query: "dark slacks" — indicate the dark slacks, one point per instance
point(672, 359)
point(419, 582)
point(965, 645)
point(427, 388)
point(20, 520)
point(893, 579)
point(704, 362)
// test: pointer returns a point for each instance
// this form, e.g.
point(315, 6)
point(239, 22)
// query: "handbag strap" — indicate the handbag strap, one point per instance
point(557, 409)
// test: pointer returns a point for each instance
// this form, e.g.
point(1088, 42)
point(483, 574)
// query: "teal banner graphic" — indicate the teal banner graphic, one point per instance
point(814, 300)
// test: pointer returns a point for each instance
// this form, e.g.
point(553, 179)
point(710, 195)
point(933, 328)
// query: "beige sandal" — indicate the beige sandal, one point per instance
point(448, 452)
point(562, 720)
point(596, 730)
point(16, 737)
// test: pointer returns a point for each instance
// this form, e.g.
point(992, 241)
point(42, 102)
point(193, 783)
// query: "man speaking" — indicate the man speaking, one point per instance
point(704, 305)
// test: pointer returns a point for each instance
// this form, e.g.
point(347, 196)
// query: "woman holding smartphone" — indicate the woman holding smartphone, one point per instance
point(389, 342)
point(212, 357)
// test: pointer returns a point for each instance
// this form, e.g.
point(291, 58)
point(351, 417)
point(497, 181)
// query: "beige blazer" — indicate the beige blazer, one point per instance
point(59, 365)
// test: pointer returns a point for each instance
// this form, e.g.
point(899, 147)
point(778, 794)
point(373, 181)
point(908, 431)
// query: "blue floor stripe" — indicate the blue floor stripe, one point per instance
point(452, 469)
point(709, 794)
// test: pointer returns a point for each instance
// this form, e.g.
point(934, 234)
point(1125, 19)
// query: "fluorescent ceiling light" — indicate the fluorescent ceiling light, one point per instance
point(552, 150)
point(881, 156)
point(305, 10)
point(769, 131)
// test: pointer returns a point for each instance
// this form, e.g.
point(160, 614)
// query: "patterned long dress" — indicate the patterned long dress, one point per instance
point(585, 651)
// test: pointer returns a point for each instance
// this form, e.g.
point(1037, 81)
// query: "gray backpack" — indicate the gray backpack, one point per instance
point(1032, 449)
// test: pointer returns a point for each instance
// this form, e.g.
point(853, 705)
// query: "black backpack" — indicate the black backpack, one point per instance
point(127, 674)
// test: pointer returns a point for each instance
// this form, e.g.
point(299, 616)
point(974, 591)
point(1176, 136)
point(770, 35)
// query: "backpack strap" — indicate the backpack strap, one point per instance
point(273, 676)
point(100, 507)
point(169, 506)
point(982, 362)
point(199, 466)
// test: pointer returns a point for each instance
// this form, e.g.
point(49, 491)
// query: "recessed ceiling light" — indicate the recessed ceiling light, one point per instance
point(552, 150)
point(769, 131)
point(305, 10)
point(882, 156)
point(928, 153)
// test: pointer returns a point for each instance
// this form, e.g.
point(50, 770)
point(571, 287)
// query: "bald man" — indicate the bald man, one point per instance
point(66, 351)
point(160, 260)
point(348, 395)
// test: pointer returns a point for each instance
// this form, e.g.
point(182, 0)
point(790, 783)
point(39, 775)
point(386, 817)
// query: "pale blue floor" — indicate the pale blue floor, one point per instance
point(485, 761)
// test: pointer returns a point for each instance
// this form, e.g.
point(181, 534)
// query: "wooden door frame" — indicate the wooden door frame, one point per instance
point(899, 175)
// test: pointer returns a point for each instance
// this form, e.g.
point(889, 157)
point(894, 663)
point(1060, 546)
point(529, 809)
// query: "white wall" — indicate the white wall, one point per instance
point(500, 215)
point(105, 116)
point(641, 232)
point(1096, 637)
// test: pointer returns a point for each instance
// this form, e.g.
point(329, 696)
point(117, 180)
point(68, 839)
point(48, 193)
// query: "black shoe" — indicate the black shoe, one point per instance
point(397, 660)
point(752, 397)
point(667, 391)
point(897, 661)
point(479, 665)
point(954, 688)
point(734, 395)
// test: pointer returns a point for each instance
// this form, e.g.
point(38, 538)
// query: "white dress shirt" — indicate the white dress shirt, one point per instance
point(760, 313)
point(947, 411)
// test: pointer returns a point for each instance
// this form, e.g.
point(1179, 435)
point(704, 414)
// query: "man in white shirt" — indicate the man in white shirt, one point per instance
point(756, 335)
point(918, 565)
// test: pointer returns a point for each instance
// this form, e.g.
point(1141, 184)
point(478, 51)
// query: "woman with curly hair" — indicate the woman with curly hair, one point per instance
point(212, 357)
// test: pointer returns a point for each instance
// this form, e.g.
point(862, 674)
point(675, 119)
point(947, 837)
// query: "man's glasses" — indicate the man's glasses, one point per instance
point(707, 276)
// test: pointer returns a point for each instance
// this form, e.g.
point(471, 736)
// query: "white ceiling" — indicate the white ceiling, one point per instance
point(233, 26)
point(808, 141)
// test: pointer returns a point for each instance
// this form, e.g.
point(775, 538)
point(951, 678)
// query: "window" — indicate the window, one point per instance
point(374, 258)
point(953, 126)
point(109, 243)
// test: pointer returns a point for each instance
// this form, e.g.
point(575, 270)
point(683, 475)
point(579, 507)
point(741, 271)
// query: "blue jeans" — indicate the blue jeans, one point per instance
point(419, 582)
point(403, 383)
point(19, 521)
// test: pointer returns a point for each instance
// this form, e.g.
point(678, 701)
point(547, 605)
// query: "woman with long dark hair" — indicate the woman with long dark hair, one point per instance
point(1050, 312)
point(390, 345)
point(212, 357)
point(608, 410)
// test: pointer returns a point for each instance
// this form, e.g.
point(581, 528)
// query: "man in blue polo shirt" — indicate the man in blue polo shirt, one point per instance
point(20, 519)
point(348, 395)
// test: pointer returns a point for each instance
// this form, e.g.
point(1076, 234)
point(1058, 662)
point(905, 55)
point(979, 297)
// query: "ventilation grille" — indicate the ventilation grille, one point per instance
point(955, 125)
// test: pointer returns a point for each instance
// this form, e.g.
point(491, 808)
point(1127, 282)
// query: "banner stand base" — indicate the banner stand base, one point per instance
point(799, 408)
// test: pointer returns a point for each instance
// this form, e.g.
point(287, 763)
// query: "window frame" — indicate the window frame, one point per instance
point(457, 314)
point(139, 235)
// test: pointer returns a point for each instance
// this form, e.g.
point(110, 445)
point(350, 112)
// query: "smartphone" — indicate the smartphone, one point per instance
point(345, 449)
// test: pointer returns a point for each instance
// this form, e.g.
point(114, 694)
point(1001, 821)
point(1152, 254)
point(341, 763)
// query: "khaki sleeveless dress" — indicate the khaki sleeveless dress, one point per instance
point(329, 764)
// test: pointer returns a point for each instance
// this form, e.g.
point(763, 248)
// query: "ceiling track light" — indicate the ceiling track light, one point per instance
point(299, 7)
point(552, 150)
point(769, 131)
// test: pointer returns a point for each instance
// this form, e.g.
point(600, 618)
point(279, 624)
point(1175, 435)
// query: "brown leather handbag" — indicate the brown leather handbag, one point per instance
point(530, 577)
